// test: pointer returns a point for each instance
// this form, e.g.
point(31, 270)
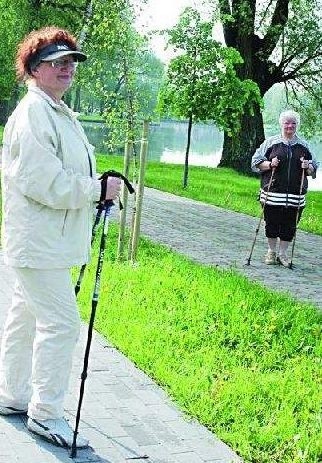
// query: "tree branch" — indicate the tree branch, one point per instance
point(308, 89)
point(229, 27)
point(294, 72)
point(265, 13)
point(274, 31)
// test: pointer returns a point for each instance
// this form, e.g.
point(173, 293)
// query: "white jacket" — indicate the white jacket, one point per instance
point(49, 185)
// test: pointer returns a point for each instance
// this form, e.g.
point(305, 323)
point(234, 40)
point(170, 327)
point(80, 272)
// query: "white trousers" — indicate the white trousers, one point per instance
point(40, 333)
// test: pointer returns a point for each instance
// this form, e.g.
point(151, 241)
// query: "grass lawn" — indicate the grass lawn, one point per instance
point(244, 360)
point(90, 118)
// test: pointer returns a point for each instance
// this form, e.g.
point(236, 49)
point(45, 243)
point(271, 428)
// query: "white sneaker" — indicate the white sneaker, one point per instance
point(11, 410)
point(270, 258)
point(56, 431)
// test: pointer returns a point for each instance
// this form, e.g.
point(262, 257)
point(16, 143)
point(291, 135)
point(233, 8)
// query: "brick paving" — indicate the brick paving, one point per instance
point(126, 416)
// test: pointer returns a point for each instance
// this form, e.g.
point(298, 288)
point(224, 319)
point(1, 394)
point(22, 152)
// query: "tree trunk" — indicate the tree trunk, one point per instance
point(186, 161)
point(77, 99)
point(101, 106)
point(4, 111)
point(239, 149)
point(7, 106)
point(255, 51)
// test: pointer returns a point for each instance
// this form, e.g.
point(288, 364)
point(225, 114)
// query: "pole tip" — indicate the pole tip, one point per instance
point(73, 452)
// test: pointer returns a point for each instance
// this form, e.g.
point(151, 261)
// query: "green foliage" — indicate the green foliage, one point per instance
point(13, 25)
point(202, 80)
point(280, 42)
point(121, 73)
point(244, 360)
point(308, 104)
point(303, 58)
point(67, 14)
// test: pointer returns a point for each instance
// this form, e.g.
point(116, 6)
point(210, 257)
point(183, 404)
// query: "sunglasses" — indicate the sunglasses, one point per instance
point(62, 63)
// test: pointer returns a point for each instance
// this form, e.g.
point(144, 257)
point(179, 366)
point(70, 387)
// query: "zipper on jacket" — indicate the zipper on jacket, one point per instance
point(289, 158)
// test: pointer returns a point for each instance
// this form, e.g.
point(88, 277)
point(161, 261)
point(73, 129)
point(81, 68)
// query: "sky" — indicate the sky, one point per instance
point(162, 14)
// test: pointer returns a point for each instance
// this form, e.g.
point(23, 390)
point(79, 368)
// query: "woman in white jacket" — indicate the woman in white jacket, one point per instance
point(49, 187)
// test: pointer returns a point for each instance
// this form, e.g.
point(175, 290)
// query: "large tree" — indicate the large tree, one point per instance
point(279, 41)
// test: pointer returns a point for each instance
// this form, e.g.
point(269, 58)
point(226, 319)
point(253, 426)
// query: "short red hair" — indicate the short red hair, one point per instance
point(36, 40)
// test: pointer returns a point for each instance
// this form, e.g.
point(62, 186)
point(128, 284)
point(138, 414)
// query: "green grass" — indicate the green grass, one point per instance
point(244, 360)
point(90, 118)
point(221, 187)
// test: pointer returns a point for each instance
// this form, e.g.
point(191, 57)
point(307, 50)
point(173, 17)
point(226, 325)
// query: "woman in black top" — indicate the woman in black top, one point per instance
point(281, 160)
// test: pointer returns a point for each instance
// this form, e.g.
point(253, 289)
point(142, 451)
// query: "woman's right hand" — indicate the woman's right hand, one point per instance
point(110, 188)
point(113, 188)
point(275, 162)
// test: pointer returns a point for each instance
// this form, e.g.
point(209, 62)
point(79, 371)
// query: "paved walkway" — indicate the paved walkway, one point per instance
point(126, 416)
point(214, 236)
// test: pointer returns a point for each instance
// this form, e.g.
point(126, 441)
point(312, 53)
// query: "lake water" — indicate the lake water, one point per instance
point(167, 143)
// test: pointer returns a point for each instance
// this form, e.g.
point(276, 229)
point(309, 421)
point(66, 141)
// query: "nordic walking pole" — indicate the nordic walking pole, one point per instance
point(290, 265)
point(261, 217)
point(107, 210)
point(100, 209)
point(107, 206)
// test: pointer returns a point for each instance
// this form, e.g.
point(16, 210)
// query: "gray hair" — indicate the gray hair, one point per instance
point(289, 114)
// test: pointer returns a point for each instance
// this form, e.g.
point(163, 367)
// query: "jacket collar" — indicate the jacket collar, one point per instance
point(295, 139)
point(61, 106)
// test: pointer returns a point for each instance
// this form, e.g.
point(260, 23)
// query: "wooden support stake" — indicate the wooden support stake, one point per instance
point(128, 151)
point(137, 210)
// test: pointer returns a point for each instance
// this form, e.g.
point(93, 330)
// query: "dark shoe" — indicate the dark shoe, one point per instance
point(56, 431)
